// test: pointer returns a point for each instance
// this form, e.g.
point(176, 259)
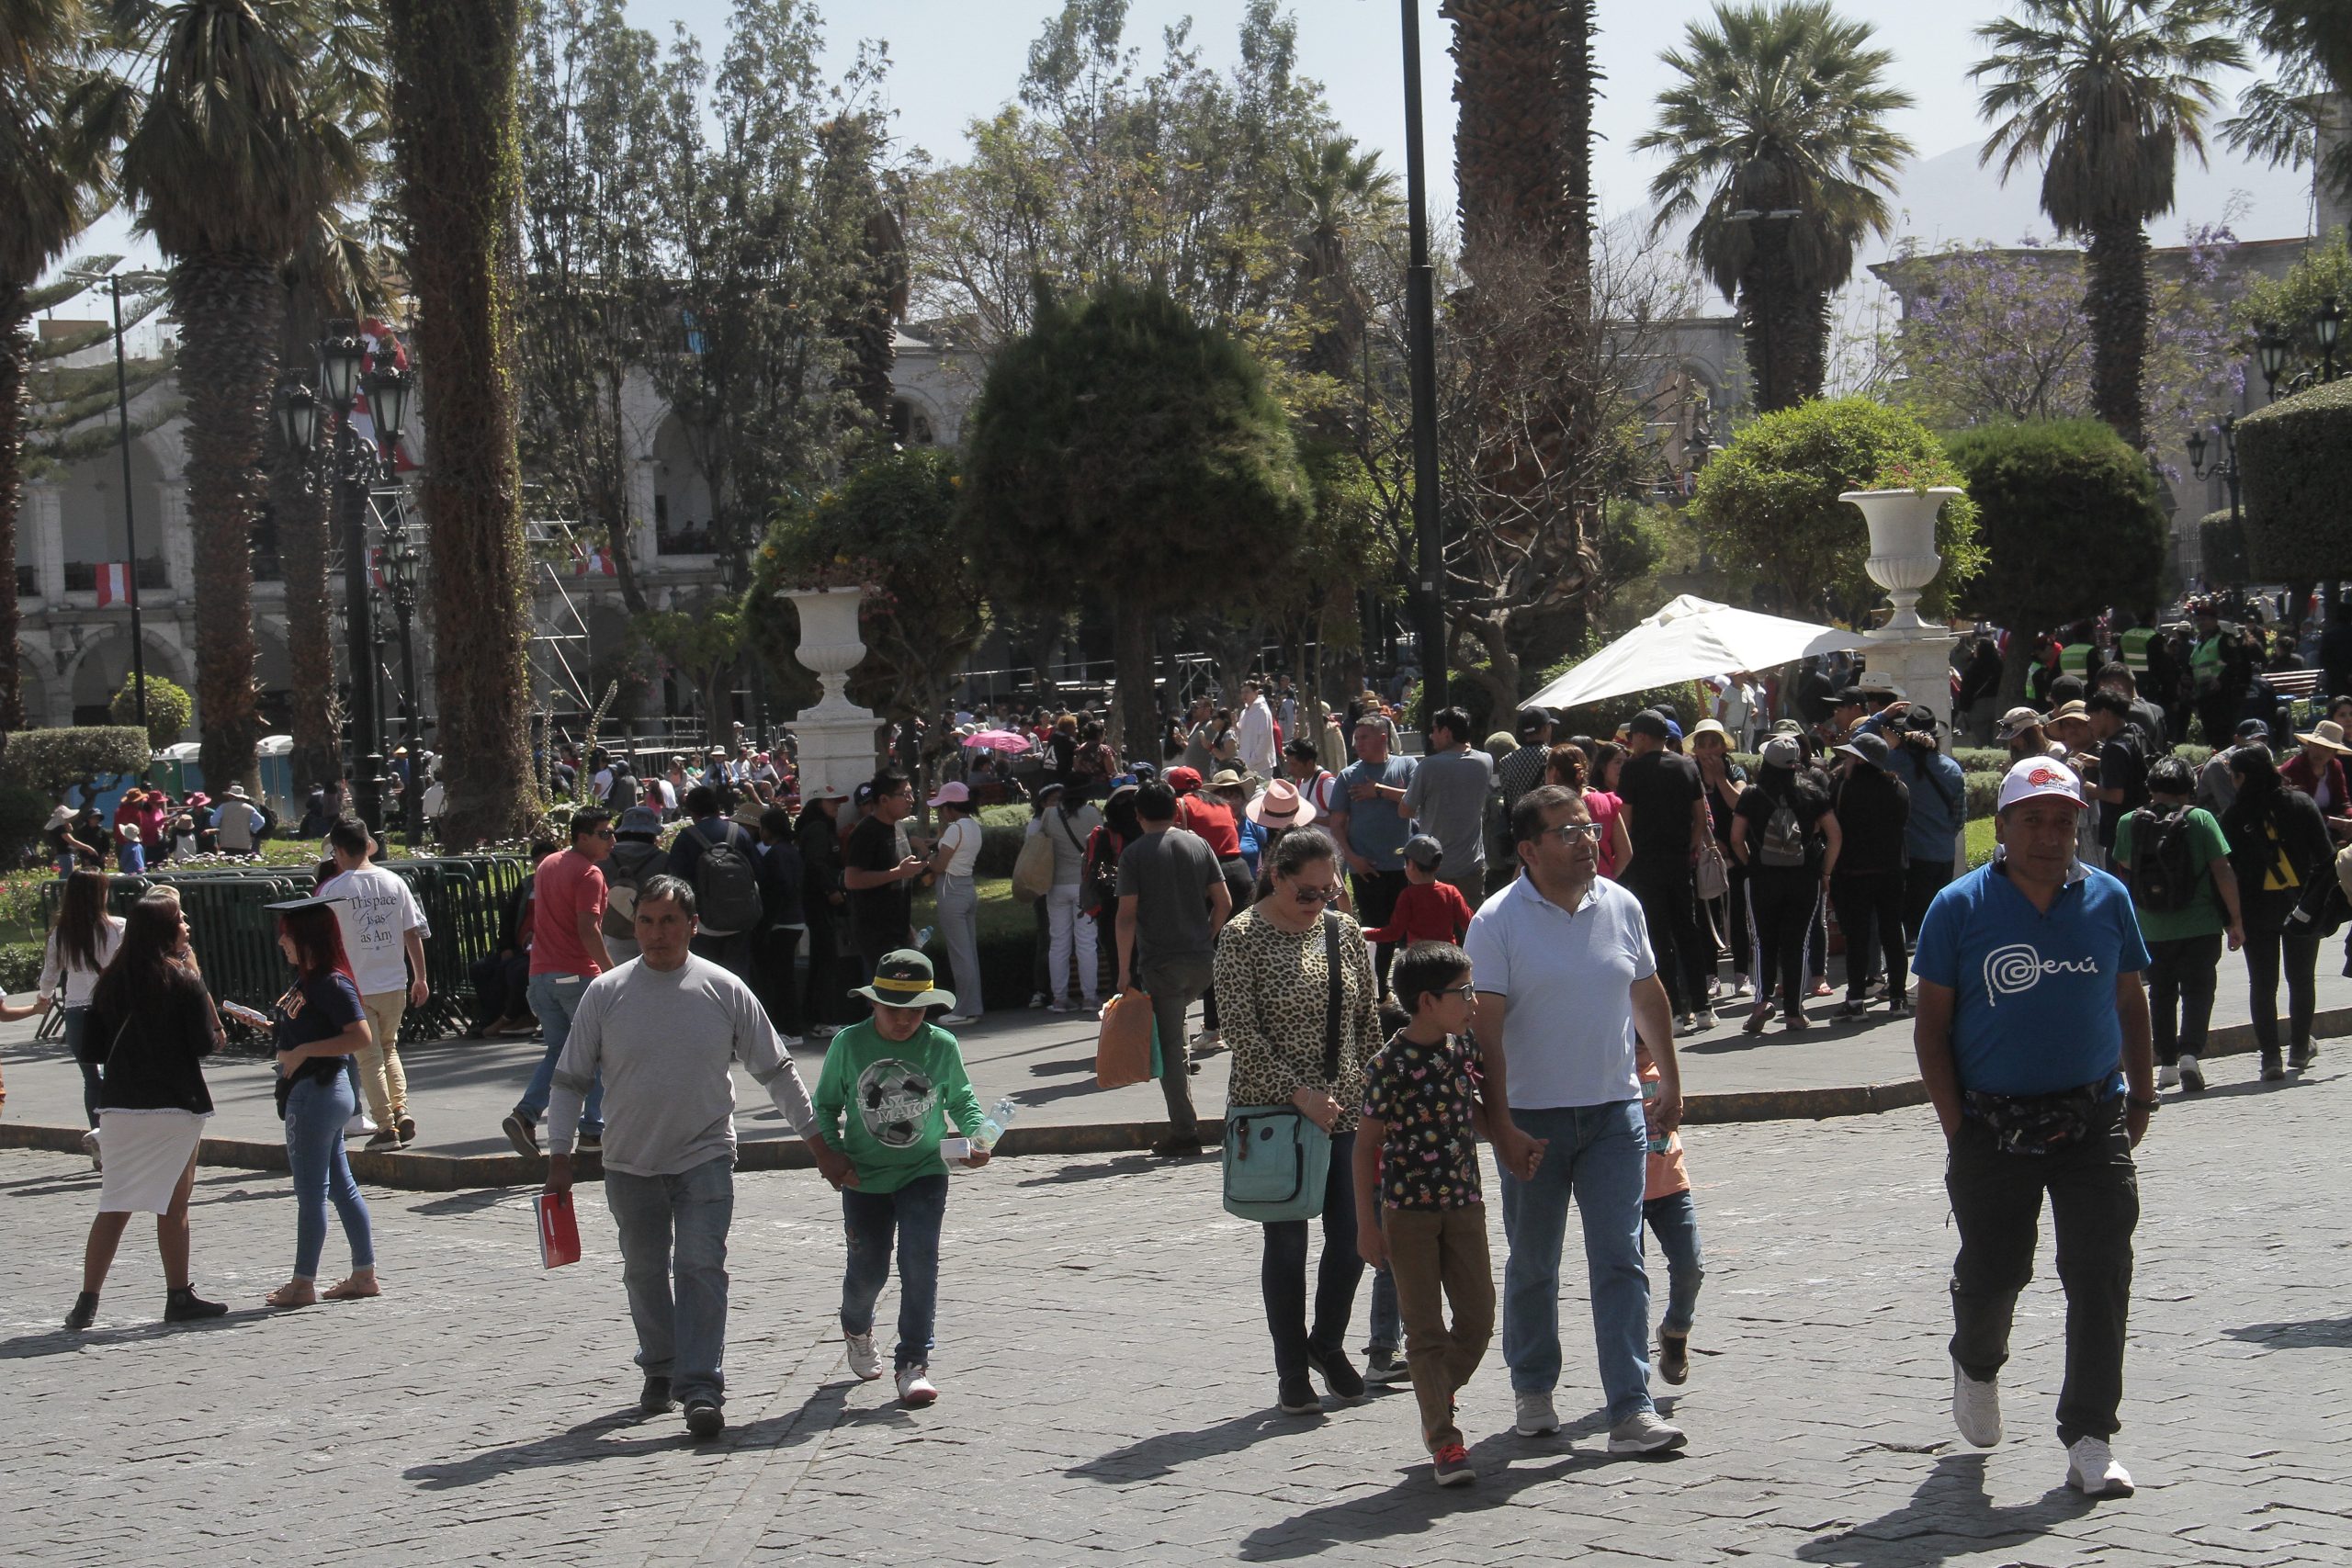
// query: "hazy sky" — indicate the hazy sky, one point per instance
point(955, 60)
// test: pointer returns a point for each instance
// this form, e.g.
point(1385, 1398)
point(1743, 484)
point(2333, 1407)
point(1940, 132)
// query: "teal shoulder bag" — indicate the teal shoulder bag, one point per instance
point(1277, 1163)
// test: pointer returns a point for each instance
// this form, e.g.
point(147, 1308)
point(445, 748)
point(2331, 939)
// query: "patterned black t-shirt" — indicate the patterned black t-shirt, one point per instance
point(1424, 1096)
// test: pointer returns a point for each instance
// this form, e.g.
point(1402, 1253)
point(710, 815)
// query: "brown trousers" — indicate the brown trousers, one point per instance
point(1438, 1255)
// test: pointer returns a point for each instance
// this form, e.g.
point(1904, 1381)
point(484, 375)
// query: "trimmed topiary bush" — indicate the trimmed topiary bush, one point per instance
point(2069, 520)
point(2220, 540)
point(51, 760)
point(2297, 455)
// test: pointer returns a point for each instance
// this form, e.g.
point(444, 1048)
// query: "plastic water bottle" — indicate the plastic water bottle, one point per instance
point(1659, 1143)
point(922, 937)
point(999, 1116)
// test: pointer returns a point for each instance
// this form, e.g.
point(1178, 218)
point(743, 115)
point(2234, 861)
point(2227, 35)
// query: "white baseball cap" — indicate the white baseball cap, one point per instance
point(2039, 776)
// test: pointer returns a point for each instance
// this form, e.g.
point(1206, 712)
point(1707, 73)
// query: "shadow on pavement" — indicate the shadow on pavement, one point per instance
point(597, 1439)
point(1097, 1170)
point(1157, 1456)
point(1950, 1516)
point(56, 1342)
point(2312, 1334)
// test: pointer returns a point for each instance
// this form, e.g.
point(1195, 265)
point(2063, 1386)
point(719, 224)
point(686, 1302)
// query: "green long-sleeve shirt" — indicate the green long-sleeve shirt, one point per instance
point(885, 1103)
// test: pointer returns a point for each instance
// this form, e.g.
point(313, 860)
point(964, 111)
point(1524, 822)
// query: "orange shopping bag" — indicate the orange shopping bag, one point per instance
point(1122, 1053)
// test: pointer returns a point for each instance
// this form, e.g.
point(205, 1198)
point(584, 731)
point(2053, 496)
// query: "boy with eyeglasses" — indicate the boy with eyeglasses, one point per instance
point(1418, 1205)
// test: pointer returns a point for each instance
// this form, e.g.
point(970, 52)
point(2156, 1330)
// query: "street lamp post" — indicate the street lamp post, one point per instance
point(129, 531)
point(401, 571)
point(2226, 470)
point(1420, 310)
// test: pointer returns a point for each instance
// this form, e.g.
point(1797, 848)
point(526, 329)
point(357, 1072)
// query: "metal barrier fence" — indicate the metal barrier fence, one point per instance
point(235, 937)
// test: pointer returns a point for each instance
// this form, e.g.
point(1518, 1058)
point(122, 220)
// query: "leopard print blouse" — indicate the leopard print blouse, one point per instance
point(1273, 991)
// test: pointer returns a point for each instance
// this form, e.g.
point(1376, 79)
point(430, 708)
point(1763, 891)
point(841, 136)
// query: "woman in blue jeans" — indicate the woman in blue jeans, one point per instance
point(319, 1024)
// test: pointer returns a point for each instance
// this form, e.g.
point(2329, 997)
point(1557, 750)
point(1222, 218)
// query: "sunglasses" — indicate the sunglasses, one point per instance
point(1315, 894)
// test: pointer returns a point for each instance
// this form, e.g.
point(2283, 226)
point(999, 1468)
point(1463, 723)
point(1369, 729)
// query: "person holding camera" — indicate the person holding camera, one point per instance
point(1938, 803)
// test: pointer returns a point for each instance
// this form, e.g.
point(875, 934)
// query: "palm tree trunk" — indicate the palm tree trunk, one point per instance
point(1132, 664)
point(454, 112)
point(227, 307)
point(2116, 301)
point(298, 502)
point(16, 353)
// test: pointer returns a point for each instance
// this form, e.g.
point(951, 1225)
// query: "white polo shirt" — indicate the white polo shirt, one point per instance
point(1568, 1035)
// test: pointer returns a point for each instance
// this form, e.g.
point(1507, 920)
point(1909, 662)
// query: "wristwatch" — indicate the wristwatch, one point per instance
point(2151, 1106)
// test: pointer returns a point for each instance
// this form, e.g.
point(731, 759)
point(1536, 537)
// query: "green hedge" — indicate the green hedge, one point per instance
point(2297, 455)
point(51, 760)
point(2220, 540)
point(2068, 518)
point(20, 967)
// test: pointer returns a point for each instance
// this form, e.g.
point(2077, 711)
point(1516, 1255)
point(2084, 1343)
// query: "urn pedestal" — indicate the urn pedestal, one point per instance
point(837, 738)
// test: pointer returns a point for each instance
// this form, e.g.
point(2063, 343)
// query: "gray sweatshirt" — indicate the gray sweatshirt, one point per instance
point(662, 1039)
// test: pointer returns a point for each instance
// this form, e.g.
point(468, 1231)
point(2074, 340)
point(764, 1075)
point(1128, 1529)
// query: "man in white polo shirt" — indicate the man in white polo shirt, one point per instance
point(1565, 980)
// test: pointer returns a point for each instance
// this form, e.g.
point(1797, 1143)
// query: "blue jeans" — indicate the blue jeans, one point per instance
point(915, 1212)
point(1675, 1221)
point(1387, 1320)
point(673, 1260)
point(554, 999)
point(1598, 1157)
point(315, 1112)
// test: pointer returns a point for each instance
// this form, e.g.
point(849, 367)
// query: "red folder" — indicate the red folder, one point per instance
point(558, 1231)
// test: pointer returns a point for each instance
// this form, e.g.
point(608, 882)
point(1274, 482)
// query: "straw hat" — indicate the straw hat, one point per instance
point(1281, 807)
point(2328, 735)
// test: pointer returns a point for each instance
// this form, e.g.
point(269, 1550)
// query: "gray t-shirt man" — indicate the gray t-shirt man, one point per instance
point(663, 1040)
point(1169, 875)
point(1448, 797)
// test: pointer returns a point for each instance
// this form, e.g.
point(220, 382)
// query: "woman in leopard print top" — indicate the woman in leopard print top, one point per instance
point(1273, 980)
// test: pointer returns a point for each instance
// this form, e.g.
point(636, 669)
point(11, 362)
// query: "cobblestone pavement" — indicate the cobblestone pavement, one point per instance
point(1109, 1388)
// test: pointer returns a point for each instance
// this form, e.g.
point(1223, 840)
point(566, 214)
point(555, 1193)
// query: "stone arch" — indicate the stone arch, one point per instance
point(103, 664)
point(913, 419)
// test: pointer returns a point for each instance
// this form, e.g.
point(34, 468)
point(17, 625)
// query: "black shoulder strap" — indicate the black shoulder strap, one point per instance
point(1331, 1013)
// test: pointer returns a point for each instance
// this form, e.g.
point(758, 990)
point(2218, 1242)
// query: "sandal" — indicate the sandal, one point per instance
point(1756, 1021)
point(349, 1289)
point(289, 1294)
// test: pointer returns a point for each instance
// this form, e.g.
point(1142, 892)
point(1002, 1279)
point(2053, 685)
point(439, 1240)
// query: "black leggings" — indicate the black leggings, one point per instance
point(2265, 953)
point(1782, 903)
point(1869, 911)
point(1281, 1273)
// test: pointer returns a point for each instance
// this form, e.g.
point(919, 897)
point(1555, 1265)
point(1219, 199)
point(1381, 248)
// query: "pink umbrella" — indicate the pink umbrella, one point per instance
point(997, 741)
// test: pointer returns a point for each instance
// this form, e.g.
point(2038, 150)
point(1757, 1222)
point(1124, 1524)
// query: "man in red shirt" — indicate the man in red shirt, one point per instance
point(566, 952)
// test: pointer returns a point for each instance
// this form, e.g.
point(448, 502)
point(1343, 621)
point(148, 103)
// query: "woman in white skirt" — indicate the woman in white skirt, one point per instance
point(151, 1024)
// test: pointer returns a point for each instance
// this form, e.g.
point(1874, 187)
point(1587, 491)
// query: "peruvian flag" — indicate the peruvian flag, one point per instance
point(375, 568)
point(114, 583)
point(597, 561)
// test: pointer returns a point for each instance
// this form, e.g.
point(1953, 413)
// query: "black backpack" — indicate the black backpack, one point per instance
point(624, 792)
point(2165, 874)
point(726, 886)
point(1784, 843)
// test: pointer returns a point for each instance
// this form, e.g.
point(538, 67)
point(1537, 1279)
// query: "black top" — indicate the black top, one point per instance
point(820, 861)
point(2122, 765)
point(2265, 845)
point(778, 868)
point(878, 917)
point(1661, 788)
point(316, 1007)
point(150, 1057)
point(1873, 808)
point(1756, 809)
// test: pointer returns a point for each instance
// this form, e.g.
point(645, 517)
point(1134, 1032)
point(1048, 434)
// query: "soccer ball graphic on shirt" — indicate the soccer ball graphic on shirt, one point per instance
point(894, 1097)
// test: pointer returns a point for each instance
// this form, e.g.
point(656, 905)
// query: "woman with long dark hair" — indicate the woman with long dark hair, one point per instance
point(149, 1023)
point(81, 944)
point(2278, 848)
point(319, 1022)
point(1784, 833)
point(1273, 973)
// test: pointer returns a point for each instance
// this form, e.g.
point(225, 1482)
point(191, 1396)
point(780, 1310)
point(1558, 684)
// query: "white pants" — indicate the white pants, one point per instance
point(1067, 922)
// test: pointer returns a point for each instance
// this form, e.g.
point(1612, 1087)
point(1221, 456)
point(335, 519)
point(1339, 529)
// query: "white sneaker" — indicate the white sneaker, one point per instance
point(1535, 1416)
point(1738, 986)
point(360, 1125)
point(956, 1019)
point(2192, 1076)
point(1644, 1432)
point(865, 1361)
point(90, 1147)
point(1977, 1407)
point(2168, 1077)
point(2091, 1470)
point(1208, 1040)
point(915, 1386)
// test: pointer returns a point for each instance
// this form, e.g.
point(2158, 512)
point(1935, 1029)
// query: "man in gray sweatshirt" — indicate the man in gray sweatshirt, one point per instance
point(662, 1032)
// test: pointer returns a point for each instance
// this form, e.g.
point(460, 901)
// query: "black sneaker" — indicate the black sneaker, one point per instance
point(1297, 1396)
point(85, 1313)
point(591, 1143)
point(654, 1399)
point(1382, 1365)
point(1674, 1357)
point(2302, 1055)
point(522, 1133)
point(1853, 1007)
point(1340, 1374)
point(2273, 1069)
point(704, 1421)
point(184, 1306)
point(406, 1127)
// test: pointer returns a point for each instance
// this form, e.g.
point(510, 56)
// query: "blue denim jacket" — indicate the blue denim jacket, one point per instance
point(1938, 805)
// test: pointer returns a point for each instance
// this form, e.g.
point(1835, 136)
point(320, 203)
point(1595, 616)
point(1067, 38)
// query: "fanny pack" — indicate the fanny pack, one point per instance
point(2041, 1123)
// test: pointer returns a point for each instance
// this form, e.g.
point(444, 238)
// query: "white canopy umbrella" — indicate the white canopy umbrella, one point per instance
point(1692, 639)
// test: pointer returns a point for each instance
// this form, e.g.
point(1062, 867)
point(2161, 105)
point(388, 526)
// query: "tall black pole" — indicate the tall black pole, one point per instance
point(351, 472)
point(1420, 311)
point(412, 797)
point(130, 528)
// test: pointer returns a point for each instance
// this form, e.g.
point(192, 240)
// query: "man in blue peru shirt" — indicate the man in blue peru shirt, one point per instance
point(2034, 1042)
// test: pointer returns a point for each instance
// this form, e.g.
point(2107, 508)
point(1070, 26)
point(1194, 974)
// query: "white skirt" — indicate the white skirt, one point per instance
point(146, 1152)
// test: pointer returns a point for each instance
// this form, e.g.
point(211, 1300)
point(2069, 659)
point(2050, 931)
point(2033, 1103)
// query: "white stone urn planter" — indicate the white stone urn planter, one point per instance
point(831, 644)
point(1903, 558)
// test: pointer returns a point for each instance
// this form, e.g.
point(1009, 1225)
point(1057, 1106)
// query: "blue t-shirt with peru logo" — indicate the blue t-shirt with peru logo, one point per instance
point(2034, 1009)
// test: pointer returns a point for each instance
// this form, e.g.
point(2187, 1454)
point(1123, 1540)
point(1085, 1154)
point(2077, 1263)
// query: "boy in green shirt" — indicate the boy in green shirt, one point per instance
point(888, 1086)
point(2176, 859)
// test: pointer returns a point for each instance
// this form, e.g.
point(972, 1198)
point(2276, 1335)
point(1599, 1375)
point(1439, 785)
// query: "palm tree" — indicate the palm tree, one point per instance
point(1335, 190)
point(235, 146)
point(2310, 41)
point(2106, 92)
point(456, 67)
point(52, 183)
point(1778, 144)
